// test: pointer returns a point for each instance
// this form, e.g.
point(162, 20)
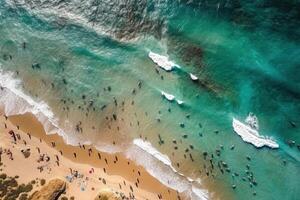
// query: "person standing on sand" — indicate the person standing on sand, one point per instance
point(13, 135)
point(53, 144)
point(9, 153)
point(57, 158)
point(1, 151)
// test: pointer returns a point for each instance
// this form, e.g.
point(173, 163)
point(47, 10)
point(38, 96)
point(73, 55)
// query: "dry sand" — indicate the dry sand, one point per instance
point(99, 170)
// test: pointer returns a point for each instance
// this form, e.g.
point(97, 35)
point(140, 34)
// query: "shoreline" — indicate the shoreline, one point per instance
point(38, 116)
point(110, 165)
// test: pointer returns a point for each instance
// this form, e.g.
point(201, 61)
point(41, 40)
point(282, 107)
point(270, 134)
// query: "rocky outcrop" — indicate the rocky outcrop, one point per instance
point(51, 191)
point(107, 194)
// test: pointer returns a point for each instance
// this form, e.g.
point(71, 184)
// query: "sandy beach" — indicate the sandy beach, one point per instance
point(49, 157)
point(149, 100)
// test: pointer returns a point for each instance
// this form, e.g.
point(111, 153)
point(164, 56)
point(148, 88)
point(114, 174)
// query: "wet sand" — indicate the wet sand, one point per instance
point(100, 170)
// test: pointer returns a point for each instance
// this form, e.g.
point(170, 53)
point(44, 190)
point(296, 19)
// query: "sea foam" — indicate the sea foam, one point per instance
point(171, 97)
point(193, 77)
point(162, 61)
point(160, 166)
point(15, 102)
point(251, 135)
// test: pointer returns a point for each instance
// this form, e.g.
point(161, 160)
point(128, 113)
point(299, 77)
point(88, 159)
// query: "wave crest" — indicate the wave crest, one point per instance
point(160, 167)
point(124, 20)
point(14, 102)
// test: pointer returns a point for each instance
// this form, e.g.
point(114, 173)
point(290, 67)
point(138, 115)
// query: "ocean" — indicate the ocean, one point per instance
point(83, 68)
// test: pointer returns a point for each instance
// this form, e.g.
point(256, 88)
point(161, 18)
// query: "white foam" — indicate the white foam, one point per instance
point(146, 146)
point(62, 14)
point(252, 136)
point(180, 102)
point(15, 102)
point(199, 194)
point(169, 97)
point(252, 121)
point(160, 166)
point(162, 61)
point(107, 148)
point(193, 77)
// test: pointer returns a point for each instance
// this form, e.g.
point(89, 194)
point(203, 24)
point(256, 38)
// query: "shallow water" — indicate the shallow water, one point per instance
point(87, 67)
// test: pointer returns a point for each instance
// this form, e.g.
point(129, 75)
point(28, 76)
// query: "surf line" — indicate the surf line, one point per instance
point(165, 63)
point(171, 97)
point(249, 133)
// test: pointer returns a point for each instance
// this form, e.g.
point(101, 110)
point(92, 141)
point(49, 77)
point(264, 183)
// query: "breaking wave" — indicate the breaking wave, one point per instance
point(123, 20)
point(160, 166)
point(15, 102)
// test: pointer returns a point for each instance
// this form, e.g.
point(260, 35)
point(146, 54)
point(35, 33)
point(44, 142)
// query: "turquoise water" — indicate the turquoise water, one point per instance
point(246, 55)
